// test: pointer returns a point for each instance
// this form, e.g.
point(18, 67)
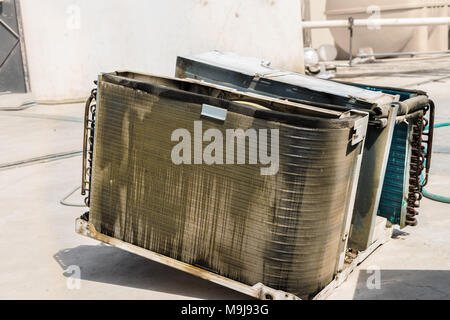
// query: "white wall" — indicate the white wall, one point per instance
point(320, 36)
point(69, 42)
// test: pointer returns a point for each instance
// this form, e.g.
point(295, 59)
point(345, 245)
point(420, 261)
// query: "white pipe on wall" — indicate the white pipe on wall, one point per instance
point(376, 22)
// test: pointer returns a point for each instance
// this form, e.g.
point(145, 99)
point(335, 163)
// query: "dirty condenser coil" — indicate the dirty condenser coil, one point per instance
point(281, 228)
point(394, 144)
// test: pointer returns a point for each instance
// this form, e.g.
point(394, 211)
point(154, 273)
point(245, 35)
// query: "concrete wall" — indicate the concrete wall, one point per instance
point(319, 36)
point(69, 42)
point(386, 39)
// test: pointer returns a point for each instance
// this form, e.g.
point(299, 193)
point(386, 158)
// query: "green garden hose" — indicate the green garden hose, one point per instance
point(428, 194)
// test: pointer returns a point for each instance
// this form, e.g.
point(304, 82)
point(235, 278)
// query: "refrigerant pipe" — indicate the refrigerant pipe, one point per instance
point(428, 194)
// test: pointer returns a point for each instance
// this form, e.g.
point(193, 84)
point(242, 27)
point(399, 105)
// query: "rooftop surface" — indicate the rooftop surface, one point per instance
point(39, 247)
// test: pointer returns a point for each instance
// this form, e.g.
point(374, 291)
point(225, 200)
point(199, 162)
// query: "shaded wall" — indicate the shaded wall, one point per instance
point(70, 41)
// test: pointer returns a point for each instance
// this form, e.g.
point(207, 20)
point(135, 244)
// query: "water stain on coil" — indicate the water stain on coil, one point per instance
point(283, 230)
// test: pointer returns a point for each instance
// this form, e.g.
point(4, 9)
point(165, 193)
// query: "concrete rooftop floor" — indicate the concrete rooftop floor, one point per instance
point(38, 243)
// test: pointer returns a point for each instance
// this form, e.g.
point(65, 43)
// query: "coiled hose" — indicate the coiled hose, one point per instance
point(428, 194)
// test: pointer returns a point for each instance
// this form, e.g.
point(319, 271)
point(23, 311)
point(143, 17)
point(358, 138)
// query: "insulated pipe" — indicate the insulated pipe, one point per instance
point(413, 104)
point(409, 108)
point(404, 22)
point(414, 114)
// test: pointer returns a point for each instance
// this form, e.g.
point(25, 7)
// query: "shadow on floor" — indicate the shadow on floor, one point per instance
point(399, 234)
point(106, 264)
point(403, 285)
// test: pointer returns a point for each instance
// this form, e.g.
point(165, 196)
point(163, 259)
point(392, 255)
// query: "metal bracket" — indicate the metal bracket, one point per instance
point(370, 184)
point(214, 112)
point(360, 127)
point(267, 293)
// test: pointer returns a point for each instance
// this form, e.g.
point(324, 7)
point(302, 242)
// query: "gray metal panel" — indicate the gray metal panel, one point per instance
point(12, 72)
point(373, 169)
point(8, 11)
point(261, 69)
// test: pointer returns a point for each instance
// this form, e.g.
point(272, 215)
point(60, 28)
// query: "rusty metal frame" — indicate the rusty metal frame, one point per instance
point(259, 290)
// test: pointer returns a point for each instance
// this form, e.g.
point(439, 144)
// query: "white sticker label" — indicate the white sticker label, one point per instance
point(214, 112)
